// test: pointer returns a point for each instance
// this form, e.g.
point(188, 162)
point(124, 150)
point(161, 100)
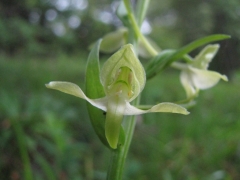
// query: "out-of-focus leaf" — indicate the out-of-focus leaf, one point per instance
point(94, 89)
point(160, 62)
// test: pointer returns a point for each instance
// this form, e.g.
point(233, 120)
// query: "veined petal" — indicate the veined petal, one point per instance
point(75, 90)
point(115, 109)
point(162, 107)
point(187, 83)
point(204, 79)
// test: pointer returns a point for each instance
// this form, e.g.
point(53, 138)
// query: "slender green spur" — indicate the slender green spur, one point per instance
point(123, 78)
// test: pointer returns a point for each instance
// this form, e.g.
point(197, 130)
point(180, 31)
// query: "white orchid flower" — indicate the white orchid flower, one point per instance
point(123, 78)
point(195, 76)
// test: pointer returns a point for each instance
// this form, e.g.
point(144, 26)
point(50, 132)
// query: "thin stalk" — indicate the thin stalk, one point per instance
point(179, 66)
point(137, 31)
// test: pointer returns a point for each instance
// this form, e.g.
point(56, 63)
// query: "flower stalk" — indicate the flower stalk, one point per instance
point(137, 30)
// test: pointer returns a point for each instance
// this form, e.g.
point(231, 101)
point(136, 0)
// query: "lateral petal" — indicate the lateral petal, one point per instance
point(204, 79)
point(162, 107)
point(75, 90)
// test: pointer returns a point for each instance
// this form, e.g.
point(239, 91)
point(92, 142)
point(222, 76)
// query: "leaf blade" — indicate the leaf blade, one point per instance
point(94, 89)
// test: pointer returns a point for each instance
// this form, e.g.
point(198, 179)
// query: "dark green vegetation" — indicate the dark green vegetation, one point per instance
point(55, 129)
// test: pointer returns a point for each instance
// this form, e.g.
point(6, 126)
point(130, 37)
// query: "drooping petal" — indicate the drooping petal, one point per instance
point(162, 107)
point(115, 111)
point(75, 90)
point(188, 85)
point(204, 79)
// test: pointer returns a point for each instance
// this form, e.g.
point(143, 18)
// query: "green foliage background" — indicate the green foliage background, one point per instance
point(55, 128)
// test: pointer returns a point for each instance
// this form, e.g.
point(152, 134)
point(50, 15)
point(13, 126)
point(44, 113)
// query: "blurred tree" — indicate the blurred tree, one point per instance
point(200, 18)
point(178, 22)
point(16, 33)
point(43, 27)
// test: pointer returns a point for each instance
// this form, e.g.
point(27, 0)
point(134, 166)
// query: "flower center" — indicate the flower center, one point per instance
point(122, 85)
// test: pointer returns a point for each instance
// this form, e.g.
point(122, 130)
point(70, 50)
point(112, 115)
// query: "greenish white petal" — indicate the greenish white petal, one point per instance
point(203, 59)
point(204, 79)
point(188, 85)
point(195, 76)
point(75, 90)
point(162, 107)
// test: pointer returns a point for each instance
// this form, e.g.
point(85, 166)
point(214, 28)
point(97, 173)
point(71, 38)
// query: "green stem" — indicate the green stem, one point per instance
point(137, 31)
point(179, 66)
point(142, 7)
point(118, 157)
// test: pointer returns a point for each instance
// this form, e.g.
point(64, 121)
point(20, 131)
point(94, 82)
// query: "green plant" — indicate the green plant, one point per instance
point(122, 78)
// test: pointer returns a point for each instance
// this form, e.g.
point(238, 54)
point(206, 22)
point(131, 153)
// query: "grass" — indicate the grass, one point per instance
point(61, 143)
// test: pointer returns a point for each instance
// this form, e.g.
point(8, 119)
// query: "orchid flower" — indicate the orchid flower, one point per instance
point(123, 79)
point(195, 75)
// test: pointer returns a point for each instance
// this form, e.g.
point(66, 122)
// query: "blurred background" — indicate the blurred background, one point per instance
point(46, 134)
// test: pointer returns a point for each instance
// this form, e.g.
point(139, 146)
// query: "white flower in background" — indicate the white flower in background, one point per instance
point(195, 76)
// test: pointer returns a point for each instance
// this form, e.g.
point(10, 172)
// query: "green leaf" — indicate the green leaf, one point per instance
point(95, 90)
point(163, 61)
point(165, 54)
point(195, 44)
